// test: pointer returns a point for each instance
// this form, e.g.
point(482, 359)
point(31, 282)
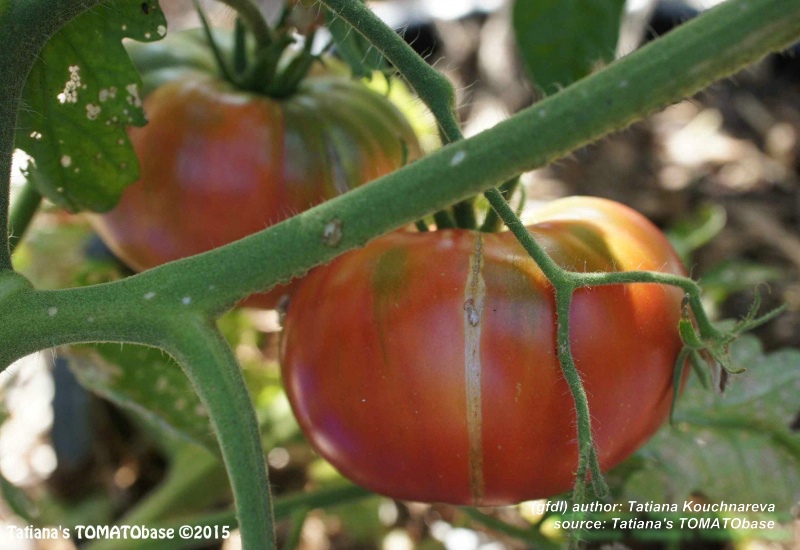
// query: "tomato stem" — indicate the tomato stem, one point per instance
point(493, 222)
point(680, 368)
point(587, 453)
point(211, 366)
point(23, 210)
point(298, 519)
point(432, 87)
point(263, 76)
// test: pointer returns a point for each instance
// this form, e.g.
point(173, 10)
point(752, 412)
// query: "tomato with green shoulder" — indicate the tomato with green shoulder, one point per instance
point(218, 163)
point(424, 366)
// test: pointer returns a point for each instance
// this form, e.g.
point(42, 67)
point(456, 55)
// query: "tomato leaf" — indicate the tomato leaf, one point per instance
point(735, 275)
point(79, 99)
point(742, 446)
point(147, 382)
point(697, 230)
point(561, 40)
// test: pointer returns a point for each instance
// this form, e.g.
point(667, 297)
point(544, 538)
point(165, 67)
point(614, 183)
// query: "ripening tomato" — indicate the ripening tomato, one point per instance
point(424, 366)
point(218, 163)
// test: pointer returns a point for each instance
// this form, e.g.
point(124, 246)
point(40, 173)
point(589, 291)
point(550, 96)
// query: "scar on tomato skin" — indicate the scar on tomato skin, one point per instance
point(474, 295)
point(332, 233)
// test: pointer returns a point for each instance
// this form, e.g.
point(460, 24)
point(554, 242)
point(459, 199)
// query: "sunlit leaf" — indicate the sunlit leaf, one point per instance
point(562, 40)
point(79, 98)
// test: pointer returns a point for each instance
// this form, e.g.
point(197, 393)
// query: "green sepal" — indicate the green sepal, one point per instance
point(689, 335)
point(680, 367)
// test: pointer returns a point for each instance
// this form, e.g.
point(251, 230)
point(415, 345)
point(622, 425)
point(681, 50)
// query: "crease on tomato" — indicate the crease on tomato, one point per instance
point(474, 297)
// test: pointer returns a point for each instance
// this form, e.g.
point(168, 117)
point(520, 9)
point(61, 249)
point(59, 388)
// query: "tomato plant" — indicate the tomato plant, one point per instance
point(219, 163)
point(424, 366)
point(463, 314)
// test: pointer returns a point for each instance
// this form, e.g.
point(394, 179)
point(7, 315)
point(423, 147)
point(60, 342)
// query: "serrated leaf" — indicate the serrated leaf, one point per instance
point(148, 383)
point(81, 95)
point(738, 447)
point(560, 41)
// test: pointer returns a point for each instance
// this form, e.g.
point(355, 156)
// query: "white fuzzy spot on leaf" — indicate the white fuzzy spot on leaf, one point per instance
point(92, 111)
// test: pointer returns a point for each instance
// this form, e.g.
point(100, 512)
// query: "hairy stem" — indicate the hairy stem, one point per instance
point(565, 285)
point(214, 372)
point(493, 222)
point(22, 211)
point(432, 87)
point(524, 142)
point(42, 319)
point(587, 453)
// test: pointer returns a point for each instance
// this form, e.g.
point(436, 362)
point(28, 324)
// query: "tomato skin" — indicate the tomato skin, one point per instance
point(377, 345)
point(218, 164)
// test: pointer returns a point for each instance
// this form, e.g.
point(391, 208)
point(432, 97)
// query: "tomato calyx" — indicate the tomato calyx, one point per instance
point(264, 62)
point(707, 348)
